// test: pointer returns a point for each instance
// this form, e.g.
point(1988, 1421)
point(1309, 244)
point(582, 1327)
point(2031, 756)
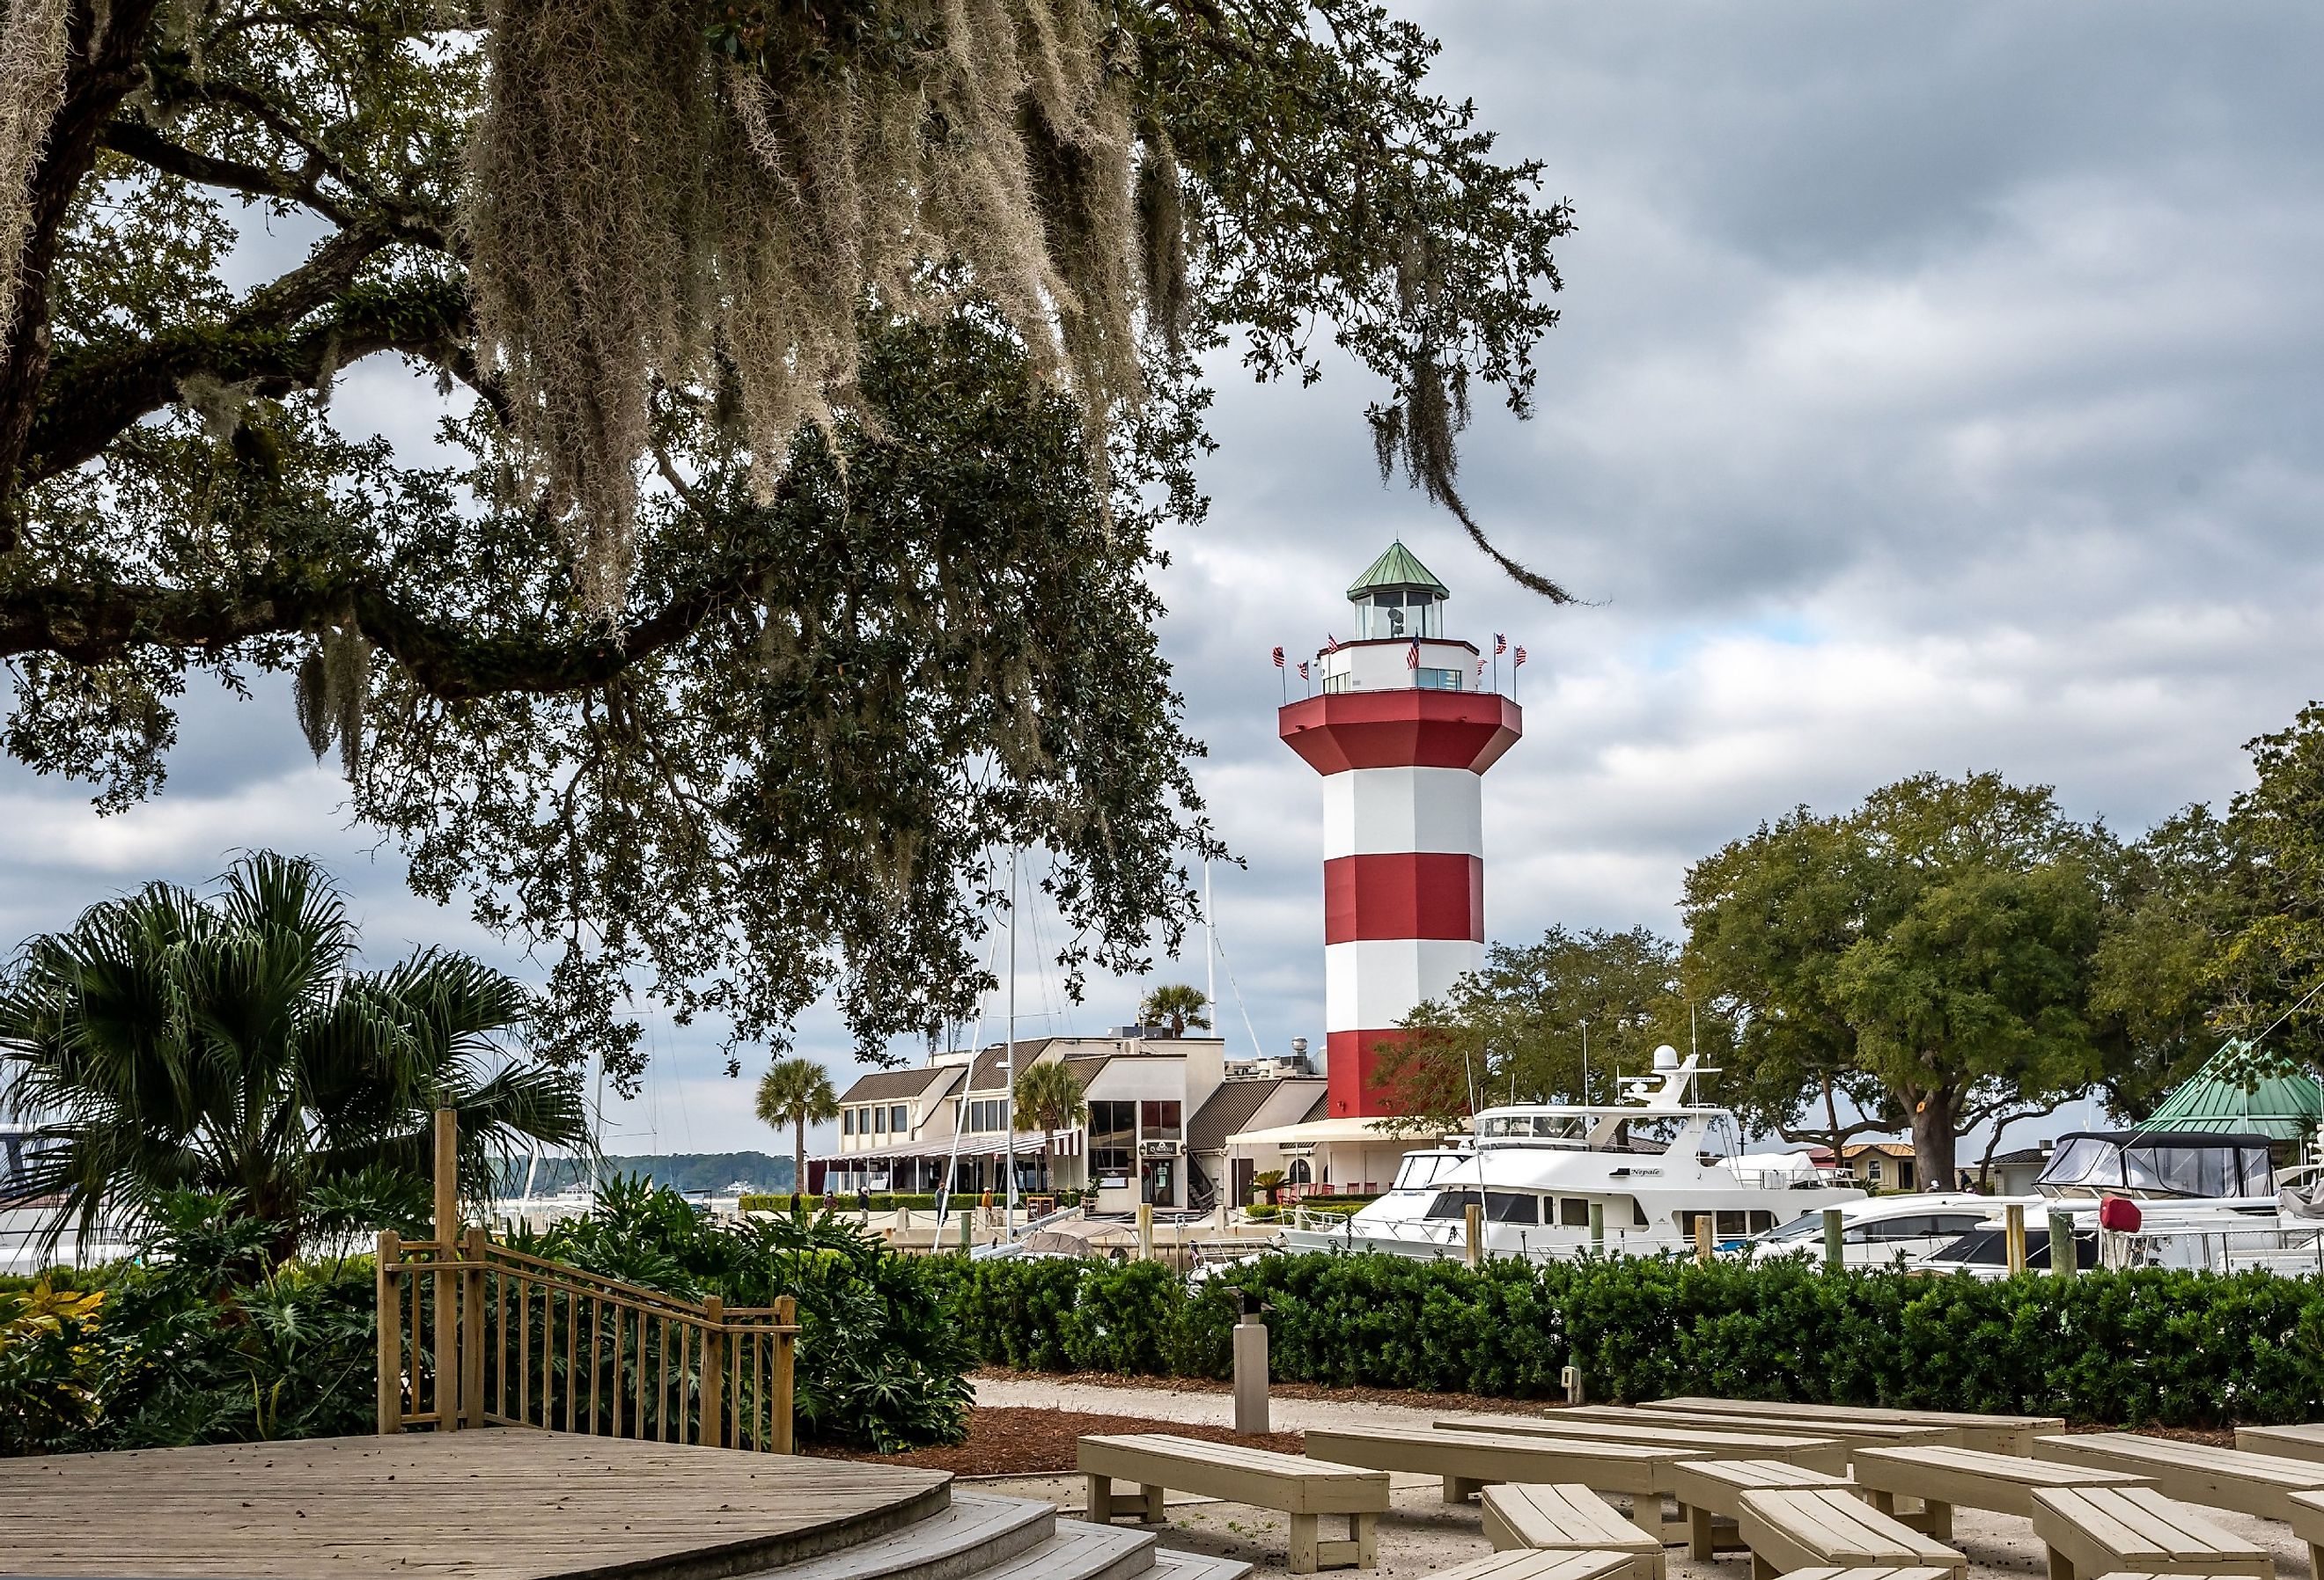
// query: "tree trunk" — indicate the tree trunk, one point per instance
point(1831, 1115)
point(798, 1159)
point(1934, 1140)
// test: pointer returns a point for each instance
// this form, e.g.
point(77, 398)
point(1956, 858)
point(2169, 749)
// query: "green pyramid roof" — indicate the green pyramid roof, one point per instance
point(1397, 568)
point(2242, 1088)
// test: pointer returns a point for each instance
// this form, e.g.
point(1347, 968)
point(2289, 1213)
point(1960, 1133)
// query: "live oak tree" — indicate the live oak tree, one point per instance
point(1928, 955)
point(2267, 976)
point(817, 380)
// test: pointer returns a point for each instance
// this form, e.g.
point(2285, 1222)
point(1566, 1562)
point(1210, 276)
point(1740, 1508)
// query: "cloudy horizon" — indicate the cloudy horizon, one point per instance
point(1936, 390)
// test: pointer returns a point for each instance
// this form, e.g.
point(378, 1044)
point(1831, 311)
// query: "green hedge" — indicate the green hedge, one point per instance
point(883, 1201)
point(2152, 1346)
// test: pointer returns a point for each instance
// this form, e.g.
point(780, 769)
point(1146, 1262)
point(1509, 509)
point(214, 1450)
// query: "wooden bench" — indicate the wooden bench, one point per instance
point(1873, 1573)
point(1944, 1477)
point(2094, 1532)
point(1565, 1518)
point(2307, 1513)
point(1803, 1527)
point(1711, 1490)
point(1301, 1487)
point(2194, 1472)
point(1996, 1434)
point(1541, 1563)
point(1469, 1461)
point(1820, 1453)
point(1850, 1433)
point(2300, 1442)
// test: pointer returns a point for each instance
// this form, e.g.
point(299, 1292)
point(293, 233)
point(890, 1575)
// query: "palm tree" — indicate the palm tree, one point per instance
point(1047, 1097)
point(225, 1044)
point(796, 1092)
point(1176, 1005)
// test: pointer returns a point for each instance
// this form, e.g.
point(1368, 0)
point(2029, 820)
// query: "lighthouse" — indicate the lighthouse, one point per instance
point(1402, 736)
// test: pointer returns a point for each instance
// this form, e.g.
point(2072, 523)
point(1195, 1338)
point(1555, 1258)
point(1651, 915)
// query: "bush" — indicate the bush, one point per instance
point(881, 1365)
point(202, 1342)
point(1265, 1215)
point(2149, 1345)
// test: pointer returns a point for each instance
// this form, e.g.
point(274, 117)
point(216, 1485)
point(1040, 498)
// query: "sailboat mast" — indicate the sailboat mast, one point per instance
point(1008, 1102)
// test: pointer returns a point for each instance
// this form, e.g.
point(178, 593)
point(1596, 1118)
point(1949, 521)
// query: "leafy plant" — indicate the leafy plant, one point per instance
point(880, 1363)
point(2150, 1346)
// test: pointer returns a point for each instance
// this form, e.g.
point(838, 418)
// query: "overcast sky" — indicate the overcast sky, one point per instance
point(1938, 389)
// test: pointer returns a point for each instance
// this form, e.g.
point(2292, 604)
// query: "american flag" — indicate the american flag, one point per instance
point(1412, 655)
point(1481, 666)
point(1500, 644)
point(1520, 658)
point(1303, 671)
point(1278, 658)
point(1330, 643)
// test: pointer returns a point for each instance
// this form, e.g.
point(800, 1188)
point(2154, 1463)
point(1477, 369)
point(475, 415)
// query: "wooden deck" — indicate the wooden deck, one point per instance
point(504, 1504)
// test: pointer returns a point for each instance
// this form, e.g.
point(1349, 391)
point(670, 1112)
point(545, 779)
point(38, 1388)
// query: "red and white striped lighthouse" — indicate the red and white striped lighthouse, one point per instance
point(1403, 739)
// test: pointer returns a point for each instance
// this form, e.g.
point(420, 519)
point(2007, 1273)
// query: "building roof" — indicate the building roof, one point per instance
point(1317, 1109)
point(990, 1071)
point(2244, 1088)
point(888, 1085)
point(1234, 1104)
point(1397, 568)
point(1885, 1149)
point(2022, 1158)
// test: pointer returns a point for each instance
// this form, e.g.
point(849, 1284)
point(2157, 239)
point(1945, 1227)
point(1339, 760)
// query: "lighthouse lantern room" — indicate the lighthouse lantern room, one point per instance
point(1402, 737)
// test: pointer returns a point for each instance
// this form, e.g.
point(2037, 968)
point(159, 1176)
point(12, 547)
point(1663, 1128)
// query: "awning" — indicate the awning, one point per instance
point(1068, 1145)
point(1353, 1131)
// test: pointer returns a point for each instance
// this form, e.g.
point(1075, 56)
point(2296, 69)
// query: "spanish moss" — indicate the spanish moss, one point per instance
point(32, 87)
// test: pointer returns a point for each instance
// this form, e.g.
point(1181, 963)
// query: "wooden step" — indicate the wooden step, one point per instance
point(1080, 1551)
point(975, 1535)
point(1175, 1565)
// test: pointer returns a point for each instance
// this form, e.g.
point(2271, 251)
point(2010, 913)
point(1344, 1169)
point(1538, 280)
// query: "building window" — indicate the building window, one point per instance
point(879, 1119)
point(1872, 1169)
point(1436, 679)
point(1159, 1121)
point(847, 1122)
point(989, 1113)
point(899, 1119)
point(1336, 683)
point(1113, 1137)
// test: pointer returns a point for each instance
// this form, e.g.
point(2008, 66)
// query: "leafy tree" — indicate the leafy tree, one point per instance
point(1930, 956)
point(1518, 1026)
point(818, 379)
point(2174, 900)
point(796, 1092)
point(171, 1042)
point(2269, 973)
point(1177, 1005)
point(1047, 1097)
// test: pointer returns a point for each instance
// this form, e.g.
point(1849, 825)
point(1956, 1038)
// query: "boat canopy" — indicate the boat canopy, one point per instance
point(2158, 1163)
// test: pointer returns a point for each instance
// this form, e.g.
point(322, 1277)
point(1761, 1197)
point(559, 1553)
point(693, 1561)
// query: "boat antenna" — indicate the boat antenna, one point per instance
point(1009, 1098)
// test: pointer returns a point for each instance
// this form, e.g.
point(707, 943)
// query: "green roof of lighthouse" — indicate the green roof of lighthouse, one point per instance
point(1398, 568)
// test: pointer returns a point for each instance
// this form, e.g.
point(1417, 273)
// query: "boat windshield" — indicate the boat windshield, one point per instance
point(1421, 1170)
point(1572, 1129)
point(2159, 1163)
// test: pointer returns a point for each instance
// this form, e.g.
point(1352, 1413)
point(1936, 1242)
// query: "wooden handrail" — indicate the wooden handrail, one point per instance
point(459, 1315)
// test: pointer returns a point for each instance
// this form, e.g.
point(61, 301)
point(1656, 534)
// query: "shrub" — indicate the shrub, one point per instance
point(1263, 1215)
point(2149, 1345)
point(881, 1364)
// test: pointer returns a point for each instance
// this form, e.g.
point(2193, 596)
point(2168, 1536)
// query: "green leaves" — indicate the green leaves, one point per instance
point(174, 1042)
point(2152, 1346)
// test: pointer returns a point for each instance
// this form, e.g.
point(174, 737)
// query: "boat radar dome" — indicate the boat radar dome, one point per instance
point(1665, 1059)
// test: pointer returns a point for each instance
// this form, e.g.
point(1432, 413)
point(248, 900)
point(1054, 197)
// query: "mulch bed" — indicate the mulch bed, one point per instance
point(1026, 1440)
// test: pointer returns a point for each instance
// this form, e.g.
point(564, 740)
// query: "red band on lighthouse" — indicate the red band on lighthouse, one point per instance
point(1411, 894)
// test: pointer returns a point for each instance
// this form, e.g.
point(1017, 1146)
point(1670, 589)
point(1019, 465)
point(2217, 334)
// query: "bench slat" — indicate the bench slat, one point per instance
point(2097, 1530)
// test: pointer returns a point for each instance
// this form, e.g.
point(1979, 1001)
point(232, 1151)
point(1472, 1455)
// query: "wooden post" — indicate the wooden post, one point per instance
point(786, 1315)
point(1472, 1222)
point(1833, 1257)
point(1145, 1231)
point(391, 1335)
point(713, 1372)
point(2064, 1256)
point(2012, 1236)
point(472, 1327)
point(444, 1363)
point(1704, 1243)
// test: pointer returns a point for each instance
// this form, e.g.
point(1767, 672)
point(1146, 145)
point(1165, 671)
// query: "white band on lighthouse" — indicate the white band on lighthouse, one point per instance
point(1371, 983)
point(1373, 811)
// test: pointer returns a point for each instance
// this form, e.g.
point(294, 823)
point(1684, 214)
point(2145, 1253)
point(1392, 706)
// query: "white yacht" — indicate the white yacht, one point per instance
point(26, 1217)
point(1556, 1180)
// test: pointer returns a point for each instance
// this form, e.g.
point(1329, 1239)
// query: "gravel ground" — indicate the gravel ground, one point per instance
point(1420, 1533)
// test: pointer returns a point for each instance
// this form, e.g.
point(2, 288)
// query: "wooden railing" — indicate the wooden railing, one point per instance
point(473, 1333)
